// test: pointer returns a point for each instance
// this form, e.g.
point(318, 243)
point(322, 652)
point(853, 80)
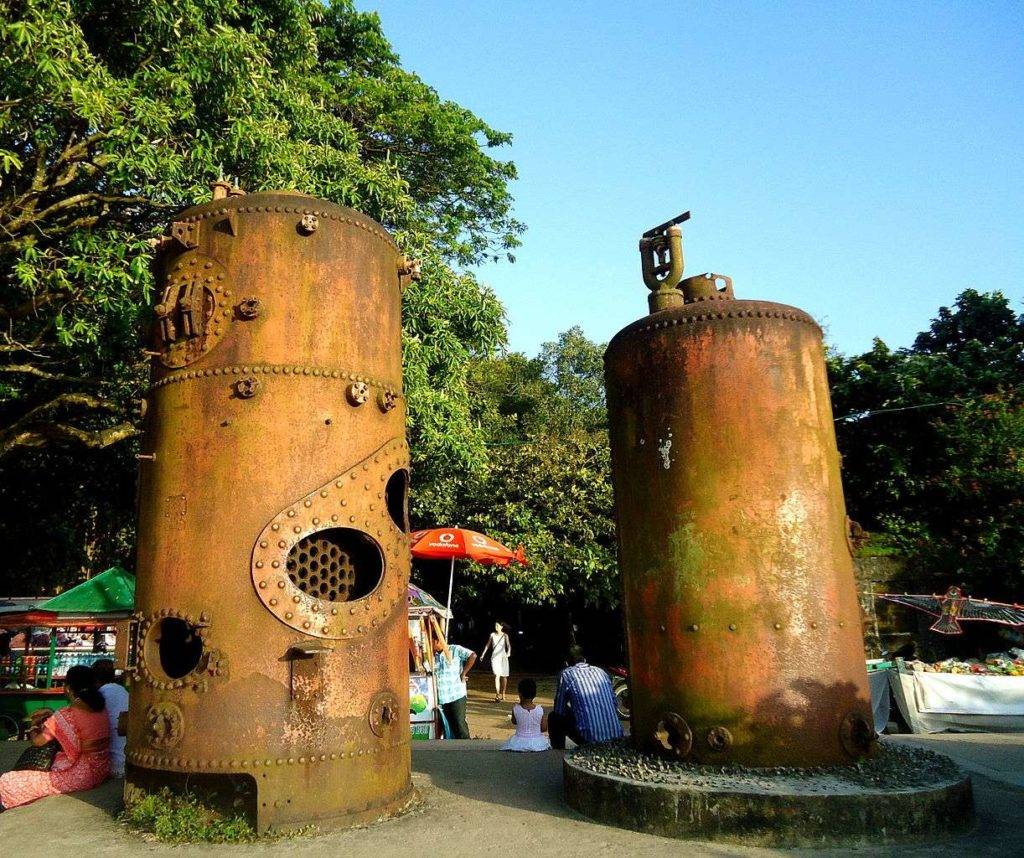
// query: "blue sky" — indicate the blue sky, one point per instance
point(863, 161)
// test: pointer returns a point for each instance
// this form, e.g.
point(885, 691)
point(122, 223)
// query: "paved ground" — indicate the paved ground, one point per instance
point(477, 799)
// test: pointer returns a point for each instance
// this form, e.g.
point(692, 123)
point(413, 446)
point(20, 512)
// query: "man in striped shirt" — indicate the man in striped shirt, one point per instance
point(584, 705)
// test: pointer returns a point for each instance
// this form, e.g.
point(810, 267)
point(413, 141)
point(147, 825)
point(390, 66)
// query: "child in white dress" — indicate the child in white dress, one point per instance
point(530, 720)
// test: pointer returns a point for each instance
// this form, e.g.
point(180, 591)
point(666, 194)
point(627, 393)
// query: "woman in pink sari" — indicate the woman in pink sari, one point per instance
point(83, 732)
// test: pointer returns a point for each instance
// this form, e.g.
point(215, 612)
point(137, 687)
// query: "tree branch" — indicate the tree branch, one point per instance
point(35, 429)
point(45, 434)
point(28, 369)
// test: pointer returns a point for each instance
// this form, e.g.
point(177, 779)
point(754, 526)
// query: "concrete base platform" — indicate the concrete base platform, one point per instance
point(904, 797)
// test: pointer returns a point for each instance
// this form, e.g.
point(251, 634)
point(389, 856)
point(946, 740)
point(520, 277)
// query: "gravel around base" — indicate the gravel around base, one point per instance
point(892, 768)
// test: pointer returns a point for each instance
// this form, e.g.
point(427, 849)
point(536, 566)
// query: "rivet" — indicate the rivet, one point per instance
point(281, 543)
point(334, 611)
point(694, 627)
point(814, 625)
point(778, 626)
point(273, 601)
point(352, 518)
point(287, 615)
point(334, 518)
point(275, 527)
point(280, 584)
point(275, 564)
point(305, 625)
point(307, 503)
point(316, 520)
point(344, 502)
point(732, 627)
point(263, 585)
point(842, 623)
point(295, 599)
point(297, 529)
point(263, 543)
point(291, 513)
point(323, 494)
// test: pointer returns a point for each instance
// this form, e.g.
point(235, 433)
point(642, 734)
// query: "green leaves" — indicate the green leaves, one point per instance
point(116, 113)
point(938, 466)
point(547, 480)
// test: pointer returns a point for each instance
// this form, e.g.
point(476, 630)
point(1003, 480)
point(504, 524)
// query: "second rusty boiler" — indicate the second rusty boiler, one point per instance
point(743, 625)
point(270, 667)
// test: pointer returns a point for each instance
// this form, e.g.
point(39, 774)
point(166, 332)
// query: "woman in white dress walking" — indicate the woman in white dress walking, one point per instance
point(500, 646)
point(530, 720)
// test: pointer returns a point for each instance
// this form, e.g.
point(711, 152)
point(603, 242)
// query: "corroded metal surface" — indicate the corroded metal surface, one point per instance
point(742, 616)
point(270, 658)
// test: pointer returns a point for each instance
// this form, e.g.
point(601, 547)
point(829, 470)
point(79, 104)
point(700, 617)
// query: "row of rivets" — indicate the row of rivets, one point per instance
point(694, 627)
point(188, 763)
point(792, 315)
point(390, 391)
point(221, 212)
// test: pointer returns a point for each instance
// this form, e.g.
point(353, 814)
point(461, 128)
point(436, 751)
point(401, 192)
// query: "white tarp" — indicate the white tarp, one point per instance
point(968, 694)
point(962, 702)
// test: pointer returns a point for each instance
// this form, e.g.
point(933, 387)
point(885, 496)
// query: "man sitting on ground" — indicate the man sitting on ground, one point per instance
point(584, 705)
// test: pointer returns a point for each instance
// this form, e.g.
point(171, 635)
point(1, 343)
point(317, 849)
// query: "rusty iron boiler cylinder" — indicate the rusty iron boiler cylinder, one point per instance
point(269, 666)
point(742, 617)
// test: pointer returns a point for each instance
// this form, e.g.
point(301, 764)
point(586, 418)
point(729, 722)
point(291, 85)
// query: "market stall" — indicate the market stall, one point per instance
point(969, 696)
point(425, 617)
point(42, 640)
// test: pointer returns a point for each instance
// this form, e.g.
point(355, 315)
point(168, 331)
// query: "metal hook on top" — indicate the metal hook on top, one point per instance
point(661, 258)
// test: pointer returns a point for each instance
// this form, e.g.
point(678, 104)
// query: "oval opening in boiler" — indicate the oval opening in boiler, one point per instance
point(338, 564)
point(396, 495)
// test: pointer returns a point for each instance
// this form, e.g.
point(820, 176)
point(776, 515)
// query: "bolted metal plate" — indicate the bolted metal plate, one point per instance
point(309, 577)
point(857, 735)
point(673, 736)
point(383, 713)
point(204, 277)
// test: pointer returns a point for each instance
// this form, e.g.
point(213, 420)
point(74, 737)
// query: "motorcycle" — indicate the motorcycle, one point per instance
point(620, 688)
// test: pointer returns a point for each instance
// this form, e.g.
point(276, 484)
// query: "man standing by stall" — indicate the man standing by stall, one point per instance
point(452, 664)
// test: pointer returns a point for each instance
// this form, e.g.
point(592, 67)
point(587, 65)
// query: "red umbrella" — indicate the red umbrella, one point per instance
point(457, 543)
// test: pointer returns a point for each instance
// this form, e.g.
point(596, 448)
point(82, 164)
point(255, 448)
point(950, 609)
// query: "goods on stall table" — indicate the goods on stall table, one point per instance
point(1009, 663)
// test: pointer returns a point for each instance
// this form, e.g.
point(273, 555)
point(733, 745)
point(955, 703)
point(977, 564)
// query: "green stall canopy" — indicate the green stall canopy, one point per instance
point(112, 591)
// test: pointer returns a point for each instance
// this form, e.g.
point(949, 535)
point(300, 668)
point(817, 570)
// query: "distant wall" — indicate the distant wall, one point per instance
point(887, 627)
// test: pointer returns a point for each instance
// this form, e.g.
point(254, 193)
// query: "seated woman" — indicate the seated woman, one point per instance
point(83, 733)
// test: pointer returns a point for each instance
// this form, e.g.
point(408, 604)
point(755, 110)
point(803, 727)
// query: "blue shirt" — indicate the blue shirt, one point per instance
point(450, 686)
point(586, 692)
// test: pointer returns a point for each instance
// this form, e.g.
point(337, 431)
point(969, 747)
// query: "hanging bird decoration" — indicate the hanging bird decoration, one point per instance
point(956, 605)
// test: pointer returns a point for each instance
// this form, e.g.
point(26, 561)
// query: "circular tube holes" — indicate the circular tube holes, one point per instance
point(336, 565)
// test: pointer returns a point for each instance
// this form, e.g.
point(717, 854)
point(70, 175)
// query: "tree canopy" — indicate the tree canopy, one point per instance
point(548, 483)
point(114, 114)
point(932, 438)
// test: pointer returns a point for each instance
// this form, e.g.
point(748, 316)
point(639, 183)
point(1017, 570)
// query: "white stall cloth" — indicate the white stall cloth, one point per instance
point(935, 702)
